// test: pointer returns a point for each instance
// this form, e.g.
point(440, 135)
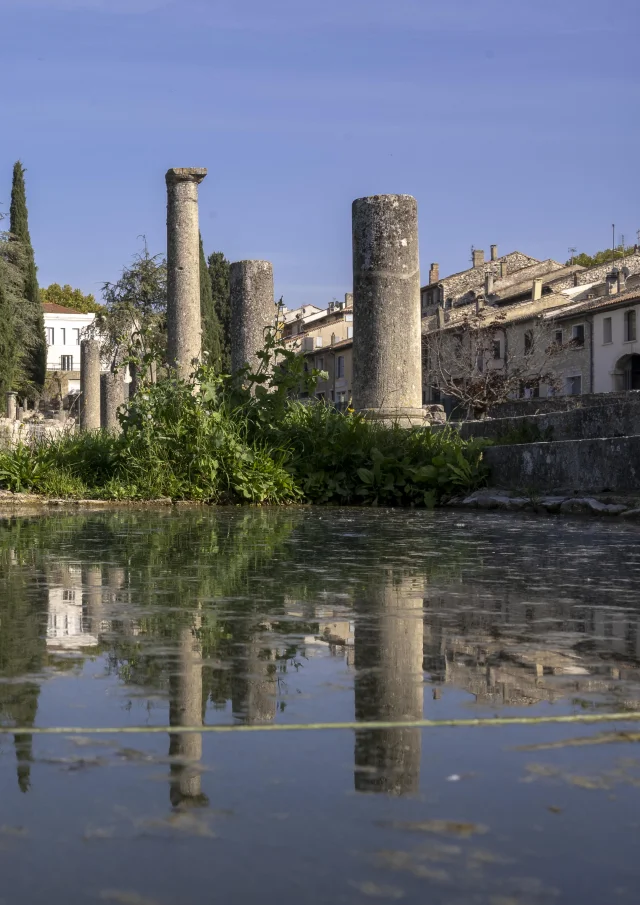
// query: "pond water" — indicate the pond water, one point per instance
point(129, 620)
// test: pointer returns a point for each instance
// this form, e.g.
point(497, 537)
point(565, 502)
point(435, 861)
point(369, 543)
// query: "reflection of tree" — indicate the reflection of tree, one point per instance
point(22, 647)
point(389, 684)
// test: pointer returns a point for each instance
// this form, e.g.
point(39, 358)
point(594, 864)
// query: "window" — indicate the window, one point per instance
point(607, 332)
point(63, 336)
point(50, 336)
point(349, 332)
point(318, 342)
point(320, 396)
point(496, 349)
point(340, 366)
point(574, 385)
point(66, 363)
point(528, 342)
point(76, 335)
point(630, 326)
point(349, 318)
point(577, 335)
point(320, 363)
point(68, 595)
point(558, 337)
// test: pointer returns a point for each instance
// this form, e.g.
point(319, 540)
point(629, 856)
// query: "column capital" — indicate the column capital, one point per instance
point(185, 174)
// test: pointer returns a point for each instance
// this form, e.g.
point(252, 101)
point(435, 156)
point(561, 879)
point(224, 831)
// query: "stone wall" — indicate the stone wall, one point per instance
point(584, 466)
point(620, 419)
point(31, 431)
point(528, 407)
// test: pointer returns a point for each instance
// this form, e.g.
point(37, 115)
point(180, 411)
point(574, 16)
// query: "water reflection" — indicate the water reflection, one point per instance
point(389, 683)
point(258, 616)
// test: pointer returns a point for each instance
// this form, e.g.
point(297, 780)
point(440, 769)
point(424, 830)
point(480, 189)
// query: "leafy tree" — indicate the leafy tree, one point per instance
point(211, 330)
point(36, 364)
point(219, 275)
point(132, 327)
point(601, 257)
point(70, 298)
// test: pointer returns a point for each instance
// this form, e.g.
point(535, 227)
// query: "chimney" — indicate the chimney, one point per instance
point(478, 257)
point(575, 279)
point(537, 290)
point(504, 269)
point(494, 252)
point(440, 314)
point(612, 282)
point(348, 300)
point(434, 273)
point(479, 304)
point(622, 279)
point(488, 284)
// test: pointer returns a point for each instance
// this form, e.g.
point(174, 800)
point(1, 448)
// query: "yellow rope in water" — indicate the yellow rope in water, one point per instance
point(300, 727)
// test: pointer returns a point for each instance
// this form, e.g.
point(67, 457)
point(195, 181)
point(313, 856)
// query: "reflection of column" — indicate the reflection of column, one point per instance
point(254, 682)
point(389, 686)
point(92, 587)
point(185, 709)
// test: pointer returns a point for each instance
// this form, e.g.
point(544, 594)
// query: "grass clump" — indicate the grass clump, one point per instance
point(245, 439)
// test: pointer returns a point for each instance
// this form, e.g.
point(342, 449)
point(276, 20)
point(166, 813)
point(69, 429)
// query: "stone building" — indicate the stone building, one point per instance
point(325, 338)
point(64, 329)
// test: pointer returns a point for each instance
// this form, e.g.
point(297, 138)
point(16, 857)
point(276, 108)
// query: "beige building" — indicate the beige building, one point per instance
point(325, 338)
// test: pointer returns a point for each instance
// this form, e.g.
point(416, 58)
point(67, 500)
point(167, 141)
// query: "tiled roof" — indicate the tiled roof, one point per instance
point(603, 303)
point(52, 308)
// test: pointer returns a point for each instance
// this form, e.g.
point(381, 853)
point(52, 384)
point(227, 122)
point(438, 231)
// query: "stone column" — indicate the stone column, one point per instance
point(89, 385)
point(389, 640)
point(111, 398)
point(12, 405)
point(387, 366)
point(183, 268)
point(252, 311)
point(254, 681)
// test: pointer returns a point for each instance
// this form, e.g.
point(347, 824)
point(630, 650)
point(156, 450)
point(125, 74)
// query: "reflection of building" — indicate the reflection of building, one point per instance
point(254, 681)
point(389, 685)
point(503, 649)
point(70, 605)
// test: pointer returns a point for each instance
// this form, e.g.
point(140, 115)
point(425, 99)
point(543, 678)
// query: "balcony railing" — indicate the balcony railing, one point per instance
point(64, 363)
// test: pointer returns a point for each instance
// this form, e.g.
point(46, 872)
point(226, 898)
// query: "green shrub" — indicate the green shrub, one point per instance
point(244, 439)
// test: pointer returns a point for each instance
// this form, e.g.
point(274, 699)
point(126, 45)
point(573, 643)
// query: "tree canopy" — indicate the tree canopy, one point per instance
point(70, 298)
point(219, 275)
point(601, 257)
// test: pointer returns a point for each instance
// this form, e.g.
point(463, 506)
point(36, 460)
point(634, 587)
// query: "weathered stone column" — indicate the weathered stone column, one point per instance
point(254, 681)
point(183, 268)
point(111, 398)
point(12, 405)
point(252, 311)
point(387, 366)
point(89, 385)
point(389, 640)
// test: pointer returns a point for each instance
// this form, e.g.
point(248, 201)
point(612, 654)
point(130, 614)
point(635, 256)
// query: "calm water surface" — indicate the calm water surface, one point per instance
point(134, 619)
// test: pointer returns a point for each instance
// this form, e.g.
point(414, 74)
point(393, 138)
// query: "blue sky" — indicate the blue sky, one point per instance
point(512, 122)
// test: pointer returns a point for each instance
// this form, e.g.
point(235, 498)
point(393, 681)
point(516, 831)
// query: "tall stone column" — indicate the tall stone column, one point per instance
point(89, 385)
point(111, 398)
point(254, 681)
point(12, 405)
point(252, 311)
point(387, 366)
point(183, 268)
point(186, 709)
point(388, 639)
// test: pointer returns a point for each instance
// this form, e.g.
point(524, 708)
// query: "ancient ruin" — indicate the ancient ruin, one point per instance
point(252, 311)
point(183, 268)
point(112, 396)
point(89, 385)
point(387, 371)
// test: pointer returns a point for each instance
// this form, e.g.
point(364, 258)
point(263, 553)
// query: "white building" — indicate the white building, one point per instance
point(64, 329)
point(616, 345)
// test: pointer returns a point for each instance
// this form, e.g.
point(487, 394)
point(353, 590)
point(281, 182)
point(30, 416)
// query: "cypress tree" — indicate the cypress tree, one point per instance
point(211, 333)
point(219, 276)
point(9, 347)
point(36, 365)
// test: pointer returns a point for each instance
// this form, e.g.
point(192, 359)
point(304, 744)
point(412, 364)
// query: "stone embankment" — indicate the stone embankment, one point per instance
point(625, 507)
